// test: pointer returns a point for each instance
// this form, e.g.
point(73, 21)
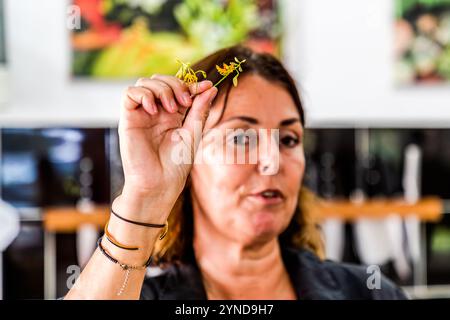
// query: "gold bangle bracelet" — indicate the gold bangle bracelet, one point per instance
point(115, 242)
point(166, 229)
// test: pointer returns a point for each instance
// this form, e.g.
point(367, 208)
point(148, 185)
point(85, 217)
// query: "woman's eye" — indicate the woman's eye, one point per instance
point(289, 141)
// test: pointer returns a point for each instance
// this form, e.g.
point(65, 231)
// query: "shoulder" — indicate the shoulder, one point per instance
point(350, 281)
point(368, 281)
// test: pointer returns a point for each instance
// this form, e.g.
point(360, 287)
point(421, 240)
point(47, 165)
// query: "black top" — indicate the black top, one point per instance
point(311, 277)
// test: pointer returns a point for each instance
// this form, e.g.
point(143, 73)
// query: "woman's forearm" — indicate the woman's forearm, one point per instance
point(103, 279)
point(150, 116)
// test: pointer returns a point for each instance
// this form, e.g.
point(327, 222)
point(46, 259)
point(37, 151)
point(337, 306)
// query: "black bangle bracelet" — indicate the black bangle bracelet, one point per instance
point(122, 265)
point(149, 225)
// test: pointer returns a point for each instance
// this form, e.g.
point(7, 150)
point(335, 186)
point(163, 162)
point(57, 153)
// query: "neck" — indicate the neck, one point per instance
point(231, 270)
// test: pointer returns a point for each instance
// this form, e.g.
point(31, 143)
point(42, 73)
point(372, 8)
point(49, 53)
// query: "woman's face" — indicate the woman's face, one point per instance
point(246, 185)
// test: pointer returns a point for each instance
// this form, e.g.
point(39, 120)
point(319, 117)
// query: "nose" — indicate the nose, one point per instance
point(268, 152)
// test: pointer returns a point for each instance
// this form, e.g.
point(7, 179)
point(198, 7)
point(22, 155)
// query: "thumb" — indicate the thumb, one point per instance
point(194, 122)
point(199, 111)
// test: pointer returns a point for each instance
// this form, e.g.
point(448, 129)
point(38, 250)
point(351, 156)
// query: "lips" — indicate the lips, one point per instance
point(268, 196)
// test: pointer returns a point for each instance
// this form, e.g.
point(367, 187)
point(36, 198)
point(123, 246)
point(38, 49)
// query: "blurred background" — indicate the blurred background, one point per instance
point(374, 76)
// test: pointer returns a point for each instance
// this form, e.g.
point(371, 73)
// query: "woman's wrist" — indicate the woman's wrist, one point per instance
point(141, 209)
point(132, 236)
point(132, 258)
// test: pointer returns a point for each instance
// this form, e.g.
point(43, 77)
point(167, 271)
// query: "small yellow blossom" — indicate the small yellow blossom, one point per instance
point(189, 76)
point(227, 69)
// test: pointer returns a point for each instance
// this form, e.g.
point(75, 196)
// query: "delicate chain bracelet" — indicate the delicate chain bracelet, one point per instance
point(125, 267)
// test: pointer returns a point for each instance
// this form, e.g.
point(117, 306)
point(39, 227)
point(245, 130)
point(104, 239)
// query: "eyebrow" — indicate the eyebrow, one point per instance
point(251, 120)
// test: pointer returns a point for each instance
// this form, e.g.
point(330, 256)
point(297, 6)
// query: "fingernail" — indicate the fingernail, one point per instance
point(186, 98)
point(204, 84)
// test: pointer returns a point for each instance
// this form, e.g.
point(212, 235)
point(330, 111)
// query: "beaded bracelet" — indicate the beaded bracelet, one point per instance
point(125, 267)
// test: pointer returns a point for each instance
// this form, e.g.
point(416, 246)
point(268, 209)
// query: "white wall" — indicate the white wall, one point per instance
point(344, 62)
point(3, 86)
point(340, 52)
point(42, 92)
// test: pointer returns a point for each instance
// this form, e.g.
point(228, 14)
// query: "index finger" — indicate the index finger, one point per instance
point(179, 88)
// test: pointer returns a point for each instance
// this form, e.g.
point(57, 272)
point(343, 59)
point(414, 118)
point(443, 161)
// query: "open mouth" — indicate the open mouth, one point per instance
point(268, 196)
point(271, 194)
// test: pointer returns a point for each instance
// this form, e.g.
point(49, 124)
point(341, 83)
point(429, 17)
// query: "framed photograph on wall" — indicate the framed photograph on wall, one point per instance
point(129, 39)
point(422, 42)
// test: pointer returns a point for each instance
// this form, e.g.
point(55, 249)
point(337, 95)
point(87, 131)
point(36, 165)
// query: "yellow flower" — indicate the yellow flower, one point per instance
point(189, 76)
point(227, 69)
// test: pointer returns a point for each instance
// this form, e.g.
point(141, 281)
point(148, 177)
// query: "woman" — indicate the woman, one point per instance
point(238, 229)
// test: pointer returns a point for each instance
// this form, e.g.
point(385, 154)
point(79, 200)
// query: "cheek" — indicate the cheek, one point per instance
point(218, 185)
point(294, 170)
point(213, 162)
point(294, 161)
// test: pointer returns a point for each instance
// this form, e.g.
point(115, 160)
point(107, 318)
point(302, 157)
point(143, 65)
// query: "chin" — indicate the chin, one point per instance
point(265, 226)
